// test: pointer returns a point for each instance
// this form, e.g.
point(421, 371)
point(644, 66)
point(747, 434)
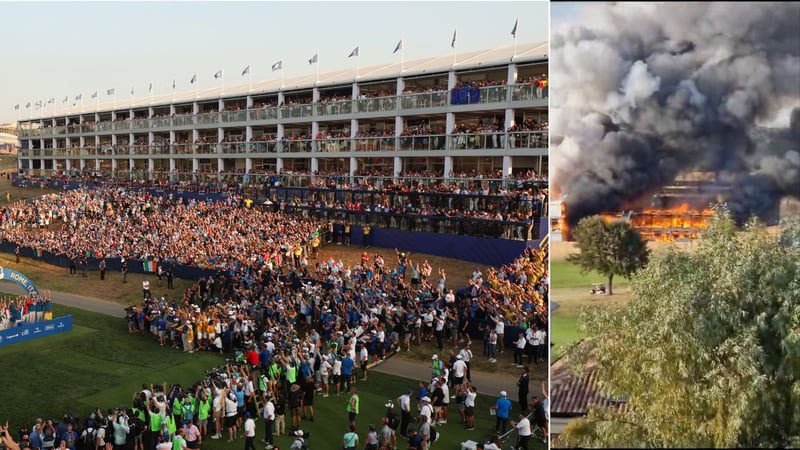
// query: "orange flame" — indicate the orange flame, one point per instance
point(682, 222)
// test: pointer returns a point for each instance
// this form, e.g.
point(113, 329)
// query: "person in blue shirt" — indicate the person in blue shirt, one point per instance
point(503, 406)
point(347, 371)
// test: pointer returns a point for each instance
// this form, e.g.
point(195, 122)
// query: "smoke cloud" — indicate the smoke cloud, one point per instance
point(643, 92)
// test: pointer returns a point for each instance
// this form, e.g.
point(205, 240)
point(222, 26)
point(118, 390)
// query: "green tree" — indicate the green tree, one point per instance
point(707, 350)
point(611, 248)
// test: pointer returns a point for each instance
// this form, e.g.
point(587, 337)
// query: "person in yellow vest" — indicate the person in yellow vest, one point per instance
point(298, 251)
point(366, 235)
point(347, 234)
point(352, 406)
point(314, 245)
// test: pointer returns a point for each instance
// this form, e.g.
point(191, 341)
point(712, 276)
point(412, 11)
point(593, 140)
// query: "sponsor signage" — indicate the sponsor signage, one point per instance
point(29, 331)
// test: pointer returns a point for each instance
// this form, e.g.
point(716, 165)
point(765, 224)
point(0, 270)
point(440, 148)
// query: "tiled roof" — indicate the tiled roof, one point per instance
point(571, 395)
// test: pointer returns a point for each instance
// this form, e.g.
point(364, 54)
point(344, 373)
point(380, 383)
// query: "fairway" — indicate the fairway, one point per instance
point(570, 290)
point(98, 364)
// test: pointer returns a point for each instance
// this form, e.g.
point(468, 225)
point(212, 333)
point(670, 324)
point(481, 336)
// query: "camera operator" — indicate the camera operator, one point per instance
point(121, 429)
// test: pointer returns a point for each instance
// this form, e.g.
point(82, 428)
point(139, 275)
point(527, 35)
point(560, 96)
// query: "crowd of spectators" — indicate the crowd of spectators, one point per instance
point(301, 324)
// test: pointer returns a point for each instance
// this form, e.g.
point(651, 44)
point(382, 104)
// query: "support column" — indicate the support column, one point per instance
point(448, 166)
point(314, 165)
point(398, 166)
point(113, 165)
point(353, 167)
point(82, 163)
point(151, 164)
point(507, 166)
point(248, 165)
point(278, 165)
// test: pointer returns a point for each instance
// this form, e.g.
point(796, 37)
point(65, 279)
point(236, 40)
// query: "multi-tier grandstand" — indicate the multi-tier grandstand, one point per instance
point(485, 114)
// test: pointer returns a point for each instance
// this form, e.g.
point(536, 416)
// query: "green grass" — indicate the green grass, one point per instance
point(564, 274)
point(564, 330)
point(570, 290)
point(98, 364)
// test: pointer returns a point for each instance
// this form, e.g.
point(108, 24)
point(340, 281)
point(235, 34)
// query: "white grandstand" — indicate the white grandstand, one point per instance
point(343, 121)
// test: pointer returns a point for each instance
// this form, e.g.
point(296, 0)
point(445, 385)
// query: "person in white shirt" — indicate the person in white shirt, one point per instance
point(541, 334)
point(269, 416)
point(405, 412)
point(524, 429)
point(249, 432)
point(459, 371)
point(469, 406)
point(230, 415)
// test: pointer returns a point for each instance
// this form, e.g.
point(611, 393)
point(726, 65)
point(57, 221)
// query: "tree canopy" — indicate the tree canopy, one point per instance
point(707, 351)
point(611, 248)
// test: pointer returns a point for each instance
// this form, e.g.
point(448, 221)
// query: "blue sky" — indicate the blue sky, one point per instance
point(58, 49)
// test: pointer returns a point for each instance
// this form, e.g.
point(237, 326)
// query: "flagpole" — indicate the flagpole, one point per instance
point(454, 48)
point(516, 23)
point(281, 72)
point(358, 61)
point(250, 73)
point(317, 67)
point(403, 54)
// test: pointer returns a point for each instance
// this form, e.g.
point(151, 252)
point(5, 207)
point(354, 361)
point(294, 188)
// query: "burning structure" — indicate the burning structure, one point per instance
point(646, 93)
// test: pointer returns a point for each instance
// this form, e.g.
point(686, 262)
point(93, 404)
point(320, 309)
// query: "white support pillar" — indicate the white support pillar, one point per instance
point(278, 165)
point(249, 101)
point(507, 166)
point(248, 165)
point(68, 165)
point(113, 164)
point(96, 164)
point(82, 163)
point(448, 166)
point(398, 166)
point(248, 133)
point(314, 165)
point(195, 168)
point(220, 165)
point(151, 165)
point(353, 167)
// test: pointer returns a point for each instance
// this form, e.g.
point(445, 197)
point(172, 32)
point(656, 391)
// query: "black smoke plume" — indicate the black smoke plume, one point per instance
point(643, 92)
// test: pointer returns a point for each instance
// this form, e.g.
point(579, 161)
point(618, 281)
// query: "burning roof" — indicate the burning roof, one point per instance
point(648, 91)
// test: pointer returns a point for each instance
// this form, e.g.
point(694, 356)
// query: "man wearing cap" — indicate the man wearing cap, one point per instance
point(249, 432)
point(414, 439)
point(523, 384)
point(298, 442)
point(503, 406)
point(459, 372)
point(436, 365)
point(405, 412)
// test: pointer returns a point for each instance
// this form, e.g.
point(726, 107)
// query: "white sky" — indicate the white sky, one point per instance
point(62, 49)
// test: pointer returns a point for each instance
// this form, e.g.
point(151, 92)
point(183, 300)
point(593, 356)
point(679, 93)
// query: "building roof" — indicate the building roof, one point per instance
point(525, 53)
point(572, 396)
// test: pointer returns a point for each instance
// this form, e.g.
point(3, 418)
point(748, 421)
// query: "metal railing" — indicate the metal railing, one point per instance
point(424, 100)
point(427, 142)
point(375, 144)
point(333, 108)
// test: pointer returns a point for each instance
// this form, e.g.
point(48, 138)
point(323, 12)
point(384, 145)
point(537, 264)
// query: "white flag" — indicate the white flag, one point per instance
point(277, 66)
point(218, 74)
point(314, 58)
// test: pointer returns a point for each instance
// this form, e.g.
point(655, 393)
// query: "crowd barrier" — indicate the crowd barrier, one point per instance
point(28, 331)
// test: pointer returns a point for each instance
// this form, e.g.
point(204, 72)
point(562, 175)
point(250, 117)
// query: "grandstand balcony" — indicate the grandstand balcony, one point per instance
point(477, 143)
point(183, 129)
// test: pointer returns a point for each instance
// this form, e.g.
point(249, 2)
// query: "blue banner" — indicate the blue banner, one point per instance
point(20, 279)
point(28, 331)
